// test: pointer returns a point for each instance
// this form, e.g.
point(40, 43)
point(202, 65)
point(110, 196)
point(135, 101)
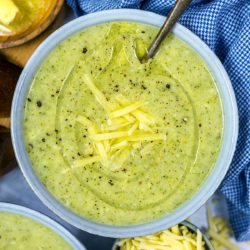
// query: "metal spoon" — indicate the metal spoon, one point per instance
point(178, 9)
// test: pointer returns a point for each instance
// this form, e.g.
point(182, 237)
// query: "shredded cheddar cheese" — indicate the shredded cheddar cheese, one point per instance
point(220, 232)
point(127, 125)
point(119, 145)
point(133, 128)
point(117, 126)
point(129, 118)
point(142, 117)
point(126, 110)
point(178, 237)
point(108, 136)
point(96, 92)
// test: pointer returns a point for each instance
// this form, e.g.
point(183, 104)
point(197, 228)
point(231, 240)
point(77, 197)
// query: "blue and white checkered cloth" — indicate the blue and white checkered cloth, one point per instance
point(225, 27)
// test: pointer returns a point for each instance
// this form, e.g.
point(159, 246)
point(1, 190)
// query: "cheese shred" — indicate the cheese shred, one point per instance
point(96, 92)
point(220, 232)
point(125, 128)
point(126, 110)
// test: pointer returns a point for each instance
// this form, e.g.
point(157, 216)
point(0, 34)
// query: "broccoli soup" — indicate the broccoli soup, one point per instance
point(117, 141)
point(19, 232)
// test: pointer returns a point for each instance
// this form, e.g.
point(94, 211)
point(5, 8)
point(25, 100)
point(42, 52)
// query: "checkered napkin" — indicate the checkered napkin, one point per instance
point(224, 25)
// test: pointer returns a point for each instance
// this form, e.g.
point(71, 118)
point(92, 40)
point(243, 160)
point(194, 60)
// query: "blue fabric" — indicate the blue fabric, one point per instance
point(224, 25)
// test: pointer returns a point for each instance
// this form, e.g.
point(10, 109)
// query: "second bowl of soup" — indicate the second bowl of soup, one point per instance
point(23, 228)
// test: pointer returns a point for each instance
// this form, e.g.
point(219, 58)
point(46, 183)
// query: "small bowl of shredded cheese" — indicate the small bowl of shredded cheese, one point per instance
point(184, 236)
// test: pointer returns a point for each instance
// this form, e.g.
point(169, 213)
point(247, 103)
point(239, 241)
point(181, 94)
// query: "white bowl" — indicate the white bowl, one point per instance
point(42, 219)
point(211, 183)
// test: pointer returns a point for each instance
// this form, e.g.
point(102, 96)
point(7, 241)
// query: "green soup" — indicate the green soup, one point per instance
point(163, 162)
point(18, 232)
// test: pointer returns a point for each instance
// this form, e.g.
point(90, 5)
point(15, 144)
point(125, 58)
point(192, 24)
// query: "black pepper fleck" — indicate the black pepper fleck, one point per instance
point(111, 182)
point(168, 86)
point(84, 50)
point(39, 104)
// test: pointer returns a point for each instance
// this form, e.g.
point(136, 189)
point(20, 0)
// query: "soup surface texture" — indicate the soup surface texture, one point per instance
point(18, 232)
point(117, 141)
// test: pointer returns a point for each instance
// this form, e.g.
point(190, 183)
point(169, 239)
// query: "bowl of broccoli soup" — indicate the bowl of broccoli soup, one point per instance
point(116, 147)
point(23, 228)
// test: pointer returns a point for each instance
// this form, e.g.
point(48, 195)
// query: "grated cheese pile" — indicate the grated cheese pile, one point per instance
point(178, 237)
point(127, 126)
point(220, 232)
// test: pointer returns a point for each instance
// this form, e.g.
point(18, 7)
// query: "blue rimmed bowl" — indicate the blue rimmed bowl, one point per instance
point(230, 124)
point(42, 219)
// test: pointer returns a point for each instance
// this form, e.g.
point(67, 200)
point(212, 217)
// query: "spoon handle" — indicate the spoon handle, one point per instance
point(178, 9)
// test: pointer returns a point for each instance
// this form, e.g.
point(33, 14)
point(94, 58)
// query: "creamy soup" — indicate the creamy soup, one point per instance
point(18, 232)
point(117, 141)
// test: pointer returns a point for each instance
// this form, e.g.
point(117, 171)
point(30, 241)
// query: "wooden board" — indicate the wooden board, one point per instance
point(9, 74)
point(7, 156)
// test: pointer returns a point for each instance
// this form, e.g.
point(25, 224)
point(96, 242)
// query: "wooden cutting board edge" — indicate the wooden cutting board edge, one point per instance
point(19, 55)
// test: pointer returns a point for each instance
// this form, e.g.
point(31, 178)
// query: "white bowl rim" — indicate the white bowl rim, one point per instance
point(42, 219)
point(213, 180)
